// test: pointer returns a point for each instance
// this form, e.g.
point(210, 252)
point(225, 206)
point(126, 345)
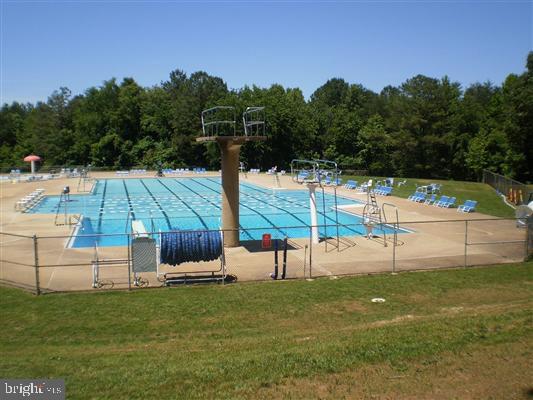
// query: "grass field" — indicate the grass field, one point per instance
point(488, 200)
point(445, 334)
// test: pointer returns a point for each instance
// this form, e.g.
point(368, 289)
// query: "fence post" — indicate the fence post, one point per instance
point(529, 236)
point(36, 266)
point(394, 249)
point(466, 240)
point(129, 264)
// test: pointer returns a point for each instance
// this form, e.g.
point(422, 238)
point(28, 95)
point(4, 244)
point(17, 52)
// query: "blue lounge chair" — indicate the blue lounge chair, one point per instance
point(416, 196)
point(470, 205)
point(420, 198)
point(383, 190)
point(449, 203)
point(441, 201)
point(433, 188)
point(431, 200)
point(302, 175)
point(350, 184)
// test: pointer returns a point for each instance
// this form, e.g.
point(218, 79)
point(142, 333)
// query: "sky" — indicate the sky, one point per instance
point(80, 44)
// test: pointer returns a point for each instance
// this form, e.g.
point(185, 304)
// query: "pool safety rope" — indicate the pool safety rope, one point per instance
point(190, 246)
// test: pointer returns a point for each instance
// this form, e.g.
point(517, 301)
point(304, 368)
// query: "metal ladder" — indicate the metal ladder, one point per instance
point(371, 211)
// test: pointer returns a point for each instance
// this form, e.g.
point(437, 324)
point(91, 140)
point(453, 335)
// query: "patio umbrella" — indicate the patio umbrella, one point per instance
point(32, 158)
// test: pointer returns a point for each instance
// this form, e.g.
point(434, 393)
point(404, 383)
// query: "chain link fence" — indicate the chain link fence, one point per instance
point(50, 263)
point(515, 192)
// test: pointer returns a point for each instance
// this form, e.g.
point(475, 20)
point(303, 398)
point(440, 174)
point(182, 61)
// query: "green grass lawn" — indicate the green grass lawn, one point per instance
point(488, 200)
point(279, 339)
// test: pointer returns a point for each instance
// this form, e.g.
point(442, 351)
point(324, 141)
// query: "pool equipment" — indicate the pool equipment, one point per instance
point(180, 246)
point(143, 258)
point(284, 270)
point(313, 174)
point(312, 209)
point(266, 241)
point(274, 275)
point(64, 200)
point(524, 213)
point(143, 253)
point(85, 176)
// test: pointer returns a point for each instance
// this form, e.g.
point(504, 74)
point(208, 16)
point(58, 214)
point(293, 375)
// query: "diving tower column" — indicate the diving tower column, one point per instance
point(230, 191)
point(230, 147)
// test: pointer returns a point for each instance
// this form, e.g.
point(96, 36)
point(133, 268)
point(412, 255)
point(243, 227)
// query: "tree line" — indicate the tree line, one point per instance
point(425, 127)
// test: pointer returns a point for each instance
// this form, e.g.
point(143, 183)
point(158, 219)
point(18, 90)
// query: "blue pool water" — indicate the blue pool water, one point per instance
point(193, 203)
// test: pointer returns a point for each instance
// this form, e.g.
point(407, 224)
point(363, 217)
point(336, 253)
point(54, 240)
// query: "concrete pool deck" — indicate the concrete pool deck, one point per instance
point(437, 240)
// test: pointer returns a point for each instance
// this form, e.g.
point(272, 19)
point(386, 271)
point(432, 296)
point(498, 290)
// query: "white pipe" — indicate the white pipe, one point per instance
point(32, 167)
point(312, 209)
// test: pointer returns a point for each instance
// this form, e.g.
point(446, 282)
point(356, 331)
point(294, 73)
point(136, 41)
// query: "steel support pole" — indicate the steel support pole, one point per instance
point(529, 238)
point(129, 263)
point(394, 249)
point(36, 265)
point(466, 241)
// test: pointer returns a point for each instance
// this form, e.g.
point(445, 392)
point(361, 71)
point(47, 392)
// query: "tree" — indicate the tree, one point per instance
point(425, 127)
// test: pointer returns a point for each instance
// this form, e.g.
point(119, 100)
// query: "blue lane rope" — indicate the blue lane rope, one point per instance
point(190, 246)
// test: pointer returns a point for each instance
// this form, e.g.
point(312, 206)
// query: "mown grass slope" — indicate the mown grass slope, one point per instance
point(489, 202)
point(277, 339)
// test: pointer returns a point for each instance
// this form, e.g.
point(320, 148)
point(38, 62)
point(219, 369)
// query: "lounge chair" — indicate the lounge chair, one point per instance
point(420, 198)
point(416, 195)
point(449, 203)
point(470, 205)
point(383, 190)
point(350, 184)
point(365, 187)
point(441, 201)
point(431, 200)
point(435, 187)
point(302, 175)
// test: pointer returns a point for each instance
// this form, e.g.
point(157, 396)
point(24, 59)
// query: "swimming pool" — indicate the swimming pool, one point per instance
point(193, 203)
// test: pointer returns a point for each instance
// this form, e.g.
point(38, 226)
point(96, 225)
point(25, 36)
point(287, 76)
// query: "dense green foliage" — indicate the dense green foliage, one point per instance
point(425, 127)
point(232, 341)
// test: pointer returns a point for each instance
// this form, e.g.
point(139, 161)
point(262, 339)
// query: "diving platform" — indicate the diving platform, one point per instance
point(219, 125)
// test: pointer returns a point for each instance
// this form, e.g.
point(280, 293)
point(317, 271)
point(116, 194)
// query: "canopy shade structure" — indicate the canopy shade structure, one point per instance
point(33, 159)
